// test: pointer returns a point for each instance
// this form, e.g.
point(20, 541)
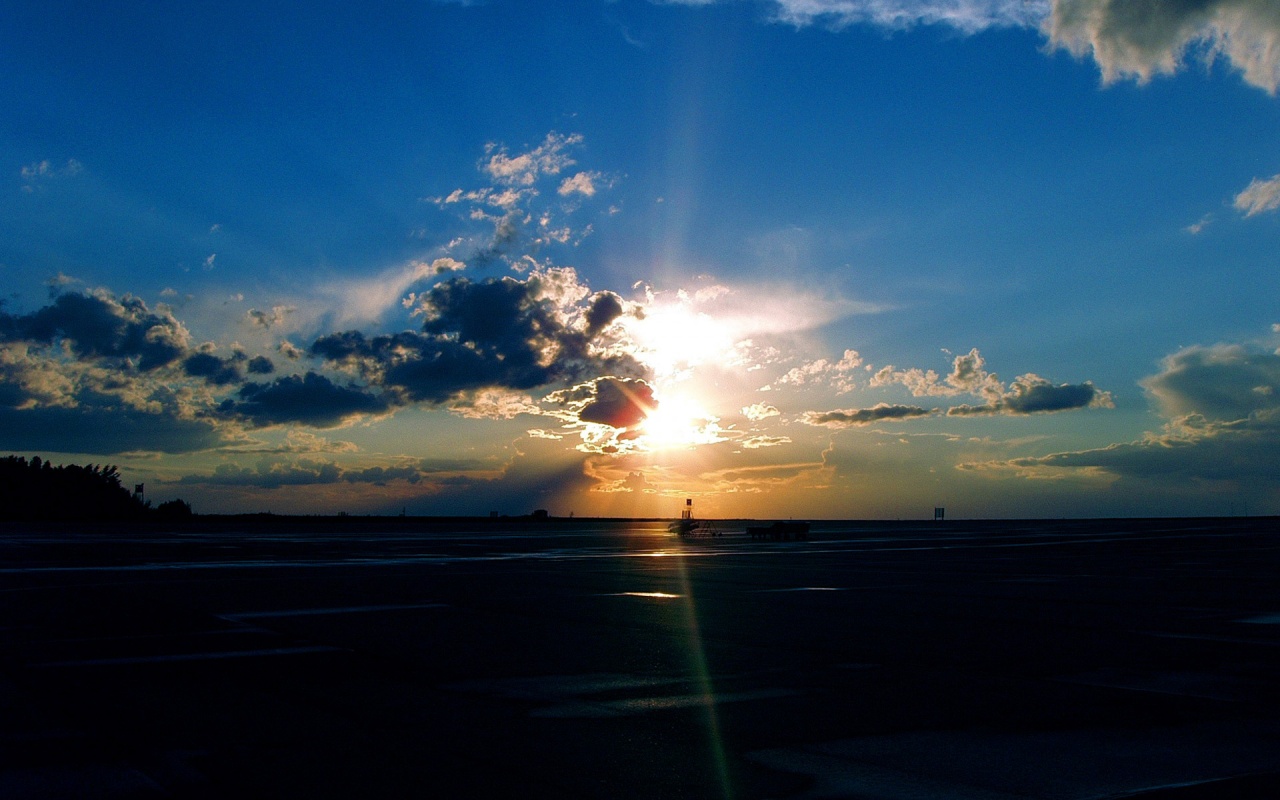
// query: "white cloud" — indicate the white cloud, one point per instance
point(967, 376)
point(548, 158)
point(1259, 196)
point(38, 172)
point(370, 298)
point(1199, 225)
point(969, 16)
point(1136, 39)
point(759, 442)
point(759, 411)
point(583, 183)
point(838, 374)
point(495, 404)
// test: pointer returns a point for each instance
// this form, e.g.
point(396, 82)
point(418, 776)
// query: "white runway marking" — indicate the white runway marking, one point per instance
point(651, 595)
point(313, 612)
point(160, 659)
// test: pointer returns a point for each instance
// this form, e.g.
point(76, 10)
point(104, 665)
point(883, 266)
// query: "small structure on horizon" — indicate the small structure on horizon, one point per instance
point(939, 514)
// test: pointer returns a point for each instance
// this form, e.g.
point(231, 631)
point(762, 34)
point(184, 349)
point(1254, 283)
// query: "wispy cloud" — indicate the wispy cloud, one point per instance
point(1199, 225)
point(39, 172)
point(969, 16)
point(524, 169)
point(521, 223)
point(1259, 196)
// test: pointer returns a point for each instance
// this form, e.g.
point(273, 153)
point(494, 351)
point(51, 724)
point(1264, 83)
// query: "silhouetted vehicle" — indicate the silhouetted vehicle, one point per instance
point(780, 531)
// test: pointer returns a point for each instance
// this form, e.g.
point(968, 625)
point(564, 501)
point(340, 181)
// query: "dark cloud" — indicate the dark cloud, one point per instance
point(102, 431)
point(99, 326)
point(217, 371)
point(381, 476)
point(260, 365)
point(619, 403)
point(1192, 450)
point(1223, 382)
point(270, 474)
point(274, 472)
point(497, 333)
point(1223, 404)
point(1031, 394)
point(863, 416)
point(310, 399)
point(605, 308)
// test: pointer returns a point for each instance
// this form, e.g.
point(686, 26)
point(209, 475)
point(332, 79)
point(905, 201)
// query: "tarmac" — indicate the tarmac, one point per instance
point(1056, 660)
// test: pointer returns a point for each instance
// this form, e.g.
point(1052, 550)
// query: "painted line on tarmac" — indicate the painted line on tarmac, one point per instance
point(160, 659)
point(315, 612)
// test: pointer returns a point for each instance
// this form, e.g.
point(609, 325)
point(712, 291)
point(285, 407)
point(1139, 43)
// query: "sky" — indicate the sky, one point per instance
point(788, 258)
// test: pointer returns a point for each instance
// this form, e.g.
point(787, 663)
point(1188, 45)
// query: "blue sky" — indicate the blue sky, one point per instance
point(830, 258)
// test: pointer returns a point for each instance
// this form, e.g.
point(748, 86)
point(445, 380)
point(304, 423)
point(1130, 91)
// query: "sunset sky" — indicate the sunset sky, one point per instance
point(810, 258)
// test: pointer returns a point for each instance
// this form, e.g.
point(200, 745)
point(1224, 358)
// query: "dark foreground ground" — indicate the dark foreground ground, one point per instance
point(959, 660)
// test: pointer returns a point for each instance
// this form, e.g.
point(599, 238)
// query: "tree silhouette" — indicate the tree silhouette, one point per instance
point(37, 490)
point(171, 510)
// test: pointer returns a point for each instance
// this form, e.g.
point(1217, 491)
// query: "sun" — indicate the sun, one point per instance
point(675, 337)
point(678, 422)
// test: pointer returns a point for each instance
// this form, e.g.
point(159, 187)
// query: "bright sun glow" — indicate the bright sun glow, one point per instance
point(678, 422)
point(675, 337)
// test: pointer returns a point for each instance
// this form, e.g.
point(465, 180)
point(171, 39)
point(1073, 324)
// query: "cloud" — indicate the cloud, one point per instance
point(583, 183)
point(618, 403)
point(1223, 409)
point(310, 399)
point(39, 172)
point(1259, 196)
point(758, 411)
point(524, 169)
point(604, 309)
point(1136, 39)
point(1189, 450)
point(1144, 38)
point(495, 404)
point(98, 325)
point(369, 299)
point(969, 16)
point(217, 371)
point(103, 430)
point(269, 319)
point(1028, 394)
point(274, 472)
point(758, 442)
point(1225, 382)
point(499, 333)
point(1031, 394)
point(863, 416)
point(838, 374)
point(1199, 225)
point(967, 376)
point(520, 224)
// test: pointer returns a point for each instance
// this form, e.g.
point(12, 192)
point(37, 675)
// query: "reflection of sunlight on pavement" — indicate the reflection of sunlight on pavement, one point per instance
point(674, 564)
point(702, 676)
